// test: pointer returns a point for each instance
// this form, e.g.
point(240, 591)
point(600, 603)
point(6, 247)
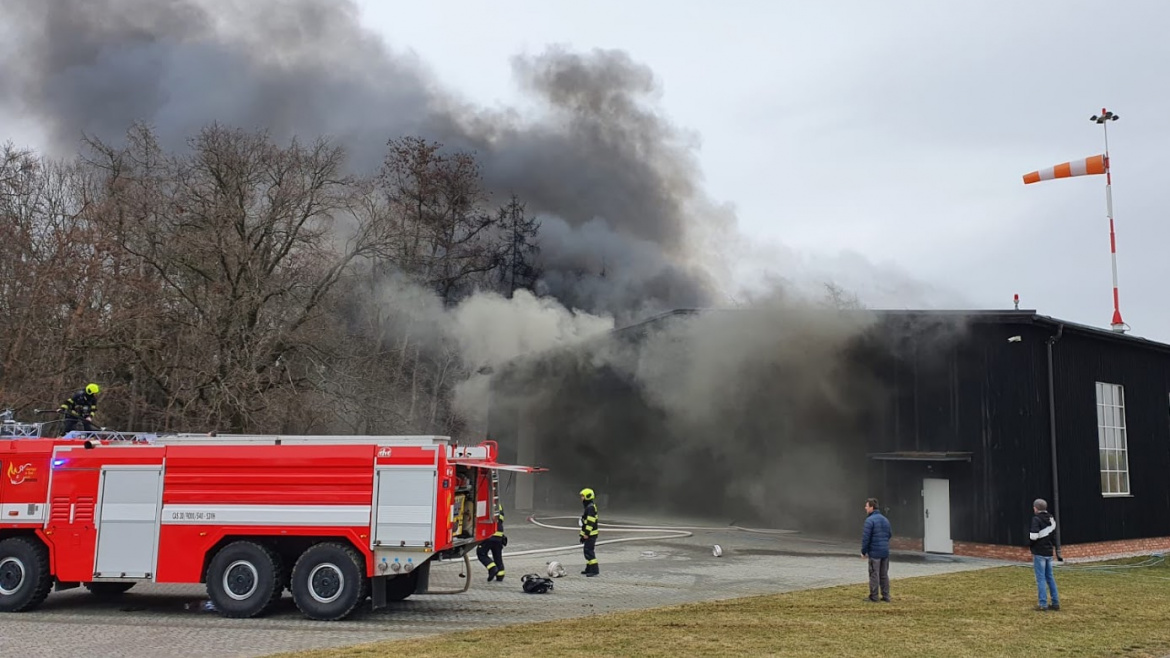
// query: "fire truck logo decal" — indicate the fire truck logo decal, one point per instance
point(21, 474)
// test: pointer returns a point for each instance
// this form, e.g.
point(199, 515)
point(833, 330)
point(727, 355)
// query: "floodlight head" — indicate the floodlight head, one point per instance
point(1105, 115)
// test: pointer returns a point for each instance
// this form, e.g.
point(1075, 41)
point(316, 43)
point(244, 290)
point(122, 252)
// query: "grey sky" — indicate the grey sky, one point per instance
point(881, 143)
point(897, 130)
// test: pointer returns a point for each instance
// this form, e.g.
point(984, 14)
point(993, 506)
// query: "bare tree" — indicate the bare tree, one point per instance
point(437, 200)
point(241, 236)
point(240, 284)
point(51, 280)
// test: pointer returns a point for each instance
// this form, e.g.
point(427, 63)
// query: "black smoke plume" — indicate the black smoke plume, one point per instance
point(616, 183)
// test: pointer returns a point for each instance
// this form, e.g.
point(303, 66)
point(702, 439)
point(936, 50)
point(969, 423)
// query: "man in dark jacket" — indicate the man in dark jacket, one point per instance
point(875, 545)
point(80, 409)
point(1040, 537)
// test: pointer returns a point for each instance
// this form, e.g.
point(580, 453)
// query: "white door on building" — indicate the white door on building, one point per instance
point(936, 510)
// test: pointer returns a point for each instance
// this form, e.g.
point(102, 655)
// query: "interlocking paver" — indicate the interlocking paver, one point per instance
point(168, 620)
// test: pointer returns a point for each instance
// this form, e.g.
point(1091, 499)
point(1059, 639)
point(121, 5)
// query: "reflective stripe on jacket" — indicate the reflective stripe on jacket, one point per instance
point(589, 520)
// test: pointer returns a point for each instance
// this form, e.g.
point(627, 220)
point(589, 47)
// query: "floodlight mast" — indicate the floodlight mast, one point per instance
point(1103, 119)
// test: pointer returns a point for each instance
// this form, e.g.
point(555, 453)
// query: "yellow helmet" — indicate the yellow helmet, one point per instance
point(93, 389)
point(587, 493)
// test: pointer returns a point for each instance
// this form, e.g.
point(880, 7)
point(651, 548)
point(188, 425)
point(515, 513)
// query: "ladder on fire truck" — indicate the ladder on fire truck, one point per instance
point(389, 440)
point(10, 428)
point(184, 438)
point(187, 438)
point(215, 439)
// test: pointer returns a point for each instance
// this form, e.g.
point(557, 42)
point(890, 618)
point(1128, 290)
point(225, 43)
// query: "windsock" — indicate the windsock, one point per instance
point(1095, 164)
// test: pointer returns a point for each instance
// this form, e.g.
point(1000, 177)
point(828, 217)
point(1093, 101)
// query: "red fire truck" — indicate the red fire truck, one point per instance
point(333, 519)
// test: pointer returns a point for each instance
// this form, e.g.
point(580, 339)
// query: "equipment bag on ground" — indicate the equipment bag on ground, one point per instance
point(535, 584)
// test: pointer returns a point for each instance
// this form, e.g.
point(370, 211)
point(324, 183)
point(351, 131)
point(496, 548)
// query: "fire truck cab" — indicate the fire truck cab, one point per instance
point(335, 520)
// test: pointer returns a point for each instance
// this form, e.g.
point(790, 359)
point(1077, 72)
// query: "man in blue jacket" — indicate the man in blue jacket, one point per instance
point(875, 545)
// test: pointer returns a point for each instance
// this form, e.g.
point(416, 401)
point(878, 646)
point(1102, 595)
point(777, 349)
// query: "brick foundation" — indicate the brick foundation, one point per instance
point(1070, 552)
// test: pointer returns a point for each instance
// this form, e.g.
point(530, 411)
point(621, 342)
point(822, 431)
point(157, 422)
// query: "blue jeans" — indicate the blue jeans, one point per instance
point(1042, 566)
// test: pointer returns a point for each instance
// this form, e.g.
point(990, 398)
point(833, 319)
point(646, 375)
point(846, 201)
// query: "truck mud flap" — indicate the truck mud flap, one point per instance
point(378, 592)
point(384, 589)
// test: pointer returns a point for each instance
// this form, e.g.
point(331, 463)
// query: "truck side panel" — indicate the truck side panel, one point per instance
point(76, 506)
point(213, 492)
point(431, 494)
point(72, 526)
point(269, 475)
point(24, 481)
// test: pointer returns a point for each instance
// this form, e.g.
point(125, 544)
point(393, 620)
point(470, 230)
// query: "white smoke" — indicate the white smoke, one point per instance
point(483, 333)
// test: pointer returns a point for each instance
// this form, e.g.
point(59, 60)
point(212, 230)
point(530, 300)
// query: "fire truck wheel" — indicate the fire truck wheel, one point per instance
point(243, 579)
point(108, 590)
point(24, 574)
point(328, 581)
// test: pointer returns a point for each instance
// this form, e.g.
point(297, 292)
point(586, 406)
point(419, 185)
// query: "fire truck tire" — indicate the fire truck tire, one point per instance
point(244, 579)
point(329, 581)
point(108, 590)
point(282, 576)
point(25, 580)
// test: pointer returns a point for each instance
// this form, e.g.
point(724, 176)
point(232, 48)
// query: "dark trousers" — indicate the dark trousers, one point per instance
point(879, 575)
point(591, 565)
point(495, 565)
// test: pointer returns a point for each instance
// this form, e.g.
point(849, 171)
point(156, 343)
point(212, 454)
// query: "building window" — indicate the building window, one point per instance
point(1111, 439)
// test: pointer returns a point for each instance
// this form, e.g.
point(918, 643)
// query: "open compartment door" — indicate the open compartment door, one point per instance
point(493, 466)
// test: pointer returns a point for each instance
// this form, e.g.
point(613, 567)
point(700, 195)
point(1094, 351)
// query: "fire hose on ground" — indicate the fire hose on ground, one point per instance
point(645, 532)
point(664, 532)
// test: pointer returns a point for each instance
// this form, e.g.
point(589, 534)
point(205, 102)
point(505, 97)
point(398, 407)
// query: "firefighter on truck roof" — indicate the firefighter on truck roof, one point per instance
point(80, 408)
point(589, 532)
point(495, 544)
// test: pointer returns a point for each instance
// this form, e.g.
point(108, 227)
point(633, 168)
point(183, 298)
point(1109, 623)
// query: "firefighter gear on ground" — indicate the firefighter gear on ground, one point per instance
point(534, 583)
point(79, 410)
point(495, 545)
point(589, 532)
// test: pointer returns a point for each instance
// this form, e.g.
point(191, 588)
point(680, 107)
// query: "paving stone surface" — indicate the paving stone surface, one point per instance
point(169, 620)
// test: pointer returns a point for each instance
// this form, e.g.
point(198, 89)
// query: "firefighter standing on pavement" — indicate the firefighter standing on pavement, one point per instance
point(80, 409)
point(495, 544)
point(589, 532)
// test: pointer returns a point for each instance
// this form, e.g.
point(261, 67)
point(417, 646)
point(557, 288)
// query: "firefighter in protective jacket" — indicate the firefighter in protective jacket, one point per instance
point(79, 409)
point(589, 532)
point(495, 544)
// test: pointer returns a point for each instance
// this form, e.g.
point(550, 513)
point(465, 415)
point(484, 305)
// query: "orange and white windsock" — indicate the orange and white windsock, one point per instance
point(1095, 164)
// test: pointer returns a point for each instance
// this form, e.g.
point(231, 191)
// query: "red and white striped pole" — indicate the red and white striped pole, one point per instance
point(1104, 119)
